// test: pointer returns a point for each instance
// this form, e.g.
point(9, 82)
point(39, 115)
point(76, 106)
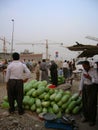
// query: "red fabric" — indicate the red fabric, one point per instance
point(52, 86)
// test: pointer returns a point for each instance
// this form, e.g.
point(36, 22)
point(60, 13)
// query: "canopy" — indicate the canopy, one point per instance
point(81, 47)
point(87, 50)
point(88, 53)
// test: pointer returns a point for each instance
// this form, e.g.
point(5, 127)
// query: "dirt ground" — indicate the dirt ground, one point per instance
point(31, 121)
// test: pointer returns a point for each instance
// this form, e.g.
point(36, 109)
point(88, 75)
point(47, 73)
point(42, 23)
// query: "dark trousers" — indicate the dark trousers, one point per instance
point(15, 92)
point(54, 79)
point(65, 72)
point(89, 98)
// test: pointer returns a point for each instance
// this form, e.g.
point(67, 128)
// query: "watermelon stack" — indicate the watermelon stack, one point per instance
point(61, 79)
point(39, 98)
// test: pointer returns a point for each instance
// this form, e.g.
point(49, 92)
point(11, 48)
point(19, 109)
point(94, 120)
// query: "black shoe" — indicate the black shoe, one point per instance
point(91, 123)
point(21, 112)
point(11, 111)
point(83, 120)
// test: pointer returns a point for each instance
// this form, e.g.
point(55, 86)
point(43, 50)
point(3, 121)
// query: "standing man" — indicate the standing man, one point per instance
point(54, 73)
point(44, 71)
point(88, 88)
point(14, 80)
point(37, 71)
point(65, 69)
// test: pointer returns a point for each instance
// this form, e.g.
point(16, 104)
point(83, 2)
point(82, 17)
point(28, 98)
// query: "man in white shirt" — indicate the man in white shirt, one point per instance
point(88, 88)
point(65, 69)
point(14, 79)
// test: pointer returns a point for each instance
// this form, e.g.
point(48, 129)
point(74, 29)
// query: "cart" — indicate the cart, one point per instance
point(63, 123)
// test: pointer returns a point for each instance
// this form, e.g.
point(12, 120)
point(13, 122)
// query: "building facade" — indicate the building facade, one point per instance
point(26, 56)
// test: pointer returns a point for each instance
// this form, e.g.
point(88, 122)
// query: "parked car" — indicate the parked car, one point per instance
point(79, 66)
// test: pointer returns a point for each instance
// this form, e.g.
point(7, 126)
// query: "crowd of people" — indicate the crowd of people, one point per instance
point(14, 77)
point(44, 69)
point(88, 87)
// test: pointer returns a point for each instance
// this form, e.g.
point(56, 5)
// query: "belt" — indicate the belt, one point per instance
point(87, 84)
point(16, 79)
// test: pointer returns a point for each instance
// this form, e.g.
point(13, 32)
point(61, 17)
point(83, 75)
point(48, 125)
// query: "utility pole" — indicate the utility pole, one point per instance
point(4, 46)
point(12, 36)
point(46, 49)
point(3, 39)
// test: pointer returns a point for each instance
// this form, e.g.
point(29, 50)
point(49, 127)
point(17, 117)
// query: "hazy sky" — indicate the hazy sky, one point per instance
point(59, 21)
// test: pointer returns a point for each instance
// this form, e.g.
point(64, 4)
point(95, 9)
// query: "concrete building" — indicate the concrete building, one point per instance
point(26, 56)
point(30, 56)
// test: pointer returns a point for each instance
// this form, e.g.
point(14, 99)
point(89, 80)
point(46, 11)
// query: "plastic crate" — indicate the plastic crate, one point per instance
point(58, 124)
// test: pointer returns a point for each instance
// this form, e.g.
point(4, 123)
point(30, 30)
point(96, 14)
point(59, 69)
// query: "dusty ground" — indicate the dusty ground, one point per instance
point(31, 121)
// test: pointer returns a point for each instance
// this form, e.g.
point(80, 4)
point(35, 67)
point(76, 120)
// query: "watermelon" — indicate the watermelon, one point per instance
point(75, 96)
point(55, 108)
point(72, 105)
point(33, 107)
point(45, 103)
point(38, 102)
point(25, 100)
point(5, 104)
point(76, 110)
point(65, 98)
point(58, 97)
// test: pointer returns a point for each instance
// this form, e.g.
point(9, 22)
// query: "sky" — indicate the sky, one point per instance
point(58, 21)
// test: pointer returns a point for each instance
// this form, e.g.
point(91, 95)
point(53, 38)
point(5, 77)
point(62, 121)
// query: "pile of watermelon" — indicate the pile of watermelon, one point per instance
point(39, 98)
point(61, 79)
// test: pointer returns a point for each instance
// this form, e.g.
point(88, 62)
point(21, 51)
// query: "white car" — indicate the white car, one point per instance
point(79, 66)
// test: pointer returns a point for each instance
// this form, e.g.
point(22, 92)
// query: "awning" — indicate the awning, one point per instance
point(88, 53)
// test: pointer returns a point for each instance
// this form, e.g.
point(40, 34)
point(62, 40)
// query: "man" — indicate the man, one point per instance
point(54, 73)
point(37, 71)
point(44, 71)
point(65, 69)
point(14, 80)
point(88, 88)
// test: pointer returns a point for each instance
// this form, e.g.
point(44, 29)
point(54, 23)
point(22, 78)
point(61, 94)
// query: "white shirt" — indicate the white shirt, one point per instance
point(16, 70)
point(65, 65)
point(94, 78)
